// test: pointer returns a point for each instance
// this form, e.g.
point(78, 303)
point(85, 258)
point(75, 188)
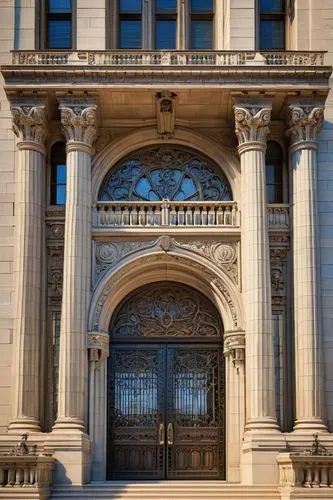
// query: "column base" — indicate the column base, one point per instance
point(72, 454)
point(267, 424)
point(22, 425)
point(310, 425)
point(69, 424)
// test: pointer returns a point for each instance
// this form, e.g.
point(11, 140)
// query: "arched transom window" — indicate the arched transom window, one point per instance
point(165, 172)
point(166, 309)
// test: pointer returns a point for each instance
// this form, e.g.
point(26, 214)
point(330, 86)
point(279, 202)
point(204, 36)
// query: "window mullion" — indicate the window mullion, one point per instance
point(147, 25)
point(183, 25)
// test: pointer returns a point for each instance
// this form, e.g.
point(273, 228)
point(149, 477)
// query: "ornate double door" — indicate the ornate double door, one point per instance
point(166, 411)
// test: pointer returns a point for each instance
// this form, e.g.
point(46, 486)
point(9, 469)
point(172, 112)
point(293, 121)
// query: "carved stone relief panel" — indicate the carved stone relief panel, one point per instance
point(278, 259)
point(223, 254)
point(55, 274)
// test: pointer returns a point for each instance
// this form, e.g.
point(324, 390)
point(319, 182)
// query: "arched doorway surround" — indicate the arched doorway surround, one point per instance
point(164, 265)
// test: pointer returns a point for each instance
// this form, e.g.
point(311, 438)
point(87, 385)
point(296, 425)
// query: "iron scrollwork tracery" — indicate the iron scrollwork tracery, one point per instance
point(166, 310)
point(165, 172)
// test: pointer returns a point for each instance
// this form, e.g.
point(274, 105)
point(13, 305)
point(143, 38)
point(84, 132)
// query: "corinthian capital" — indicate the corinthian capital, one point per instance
point(29, 123)
point(304, 123)
point(252, 123)
point(79, 121)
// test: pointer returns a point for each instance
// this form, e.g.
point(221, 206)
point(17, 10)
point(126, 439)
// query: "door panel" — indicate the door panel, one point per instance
point(195, 413)
point(166, 412)
point(136, 412)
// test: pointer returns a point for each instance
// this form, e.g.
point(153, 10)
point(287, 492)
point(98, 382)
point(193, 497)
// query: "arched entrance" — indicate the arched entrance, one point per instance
point(166, 386)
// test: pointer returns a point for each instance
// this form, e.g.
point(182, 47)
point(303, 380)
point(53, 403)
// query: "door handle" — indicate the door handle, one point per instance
point(170, 433)
point(161, 434)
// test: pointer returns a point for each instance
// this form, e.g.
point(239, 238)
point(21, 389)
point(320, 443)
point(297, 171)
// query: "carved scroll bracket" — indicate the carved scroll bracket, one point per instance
point(234, 346)
point(98, 346)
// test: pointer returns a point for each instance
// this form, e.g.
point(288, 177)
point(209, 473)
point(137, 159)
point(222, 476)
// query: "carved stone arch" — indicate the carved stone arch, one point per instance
point(121, 147)
point(156, 266)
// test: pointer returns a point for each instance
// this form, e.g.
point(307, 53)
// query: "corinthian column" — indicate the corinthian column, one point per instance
point(79, 126)
point(304, 124)
point(29, 123)
point(252, 127)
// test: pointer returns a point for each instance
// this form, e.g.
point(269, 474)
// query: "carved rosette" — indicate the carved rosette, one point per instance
point(234, 346)
point(30, 123)
point(98, 346)
point(79, 122)
point(252, 124)
point(304, 123)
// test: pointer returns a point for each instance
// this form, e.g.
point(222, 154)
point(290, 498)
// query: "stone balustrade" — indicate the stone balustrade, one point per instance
point(168, 58)
point(166, 213)
point(304, 470)
point(29, 471)
point(278, 216)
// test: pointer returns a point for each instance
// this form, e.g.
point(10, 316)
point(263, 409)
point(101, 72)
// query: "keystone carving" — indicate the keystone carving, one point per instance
point(304, 123)
point(252, 124)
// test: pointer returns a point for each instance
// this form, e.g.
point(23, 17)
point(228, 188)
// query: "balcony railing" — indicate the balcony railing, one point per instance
point(166, 213)
point(278, 216)
point(168, 58)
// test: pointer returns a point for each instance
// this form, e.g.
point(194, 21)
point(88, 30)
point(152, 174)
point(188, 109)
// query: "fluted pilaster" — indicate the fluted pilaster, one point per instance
point(29, 124)
point(304, 124)
point(79, 124)
point(252, 127)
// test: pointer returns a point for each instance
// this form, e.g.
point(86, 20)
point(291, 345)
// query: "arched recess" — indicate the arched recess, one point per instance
point(163, 263)
point(115, 151)
point(151, 265)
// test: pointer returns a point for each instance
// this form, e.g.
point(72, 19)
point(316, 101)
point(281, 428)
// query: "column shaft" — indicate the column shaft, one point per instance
point(252, 129)
point(77, 262)
point(308, 351)
point(29, 125)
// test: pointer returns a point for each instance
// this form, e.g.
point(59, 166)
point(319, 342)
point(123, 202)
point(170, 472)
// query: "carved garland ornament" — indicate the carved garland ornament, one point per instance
point(252, 123)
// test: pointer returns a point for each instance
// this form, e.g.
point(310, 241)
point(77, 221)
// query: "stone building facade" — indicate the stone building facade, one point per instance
point(166, 247)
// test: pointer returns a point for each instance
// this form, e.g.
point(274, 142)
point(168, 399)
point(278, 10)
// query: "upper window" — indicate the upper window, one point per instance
point(274, 173)
point(201, 24)
point(59, 24)
point(164, 172)
point(272, 24)
point(136, 30)
point(58, 174)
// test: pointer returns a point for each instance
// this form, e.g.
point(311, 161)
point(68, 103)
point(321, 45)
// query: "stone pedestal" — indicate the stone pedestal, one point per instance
point(29, 122)
point(304, 123)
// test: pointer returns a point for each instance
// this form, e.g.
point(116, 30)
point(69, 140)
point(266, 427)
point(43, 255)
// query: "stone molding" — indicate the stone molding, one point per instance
point(98, 345)
point(234, 346)
point(252, 125)
point(79, 123)
point(304, 124)
point(30, 126)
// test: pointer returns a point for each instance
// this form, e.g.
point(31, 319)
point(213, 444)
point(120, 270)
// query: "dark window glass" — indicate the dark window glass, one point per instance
point(274, 173)
point(272, 34)
point(130, 34)
point(165, 34)
point(272, 6)
point(201, 35)
point(130, 6)
point(59, 24)
point(59, 34)
point(166, 6)
point(58, 174)
point(60, 6)
point(201, 6)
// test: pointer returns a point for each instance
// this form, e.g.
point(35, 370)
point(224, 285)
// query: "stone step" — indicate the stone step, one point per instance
point(166, 490)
